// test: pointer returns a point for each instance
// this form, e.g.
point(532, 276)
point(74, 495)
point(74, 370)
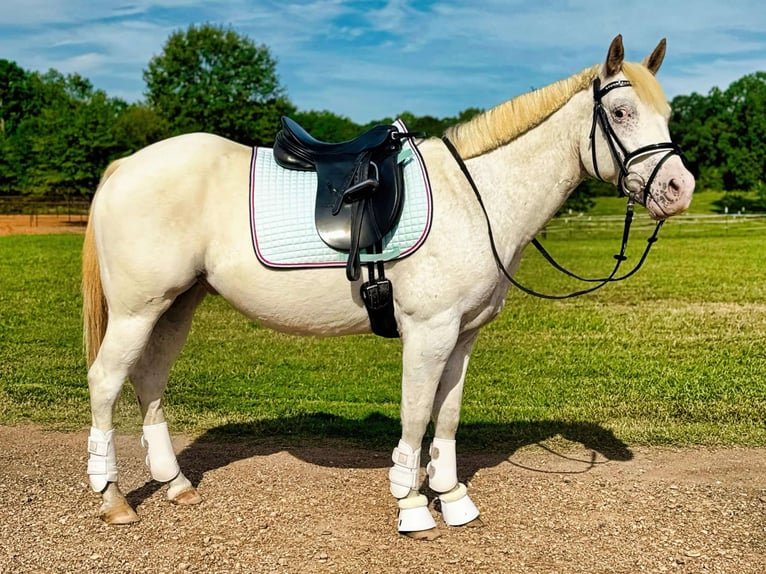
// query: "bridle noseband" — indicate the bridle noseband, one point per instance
point(636, 190)
point(641, 190)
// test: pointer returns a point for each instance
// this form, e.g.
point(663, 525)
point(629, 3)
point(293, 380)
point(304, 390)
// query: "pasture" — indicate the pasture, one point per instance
point(673, 356)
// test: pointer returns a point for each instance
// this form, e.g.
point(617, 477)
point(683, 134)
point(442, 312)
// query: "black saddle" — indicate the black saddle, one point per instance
point(359, 189)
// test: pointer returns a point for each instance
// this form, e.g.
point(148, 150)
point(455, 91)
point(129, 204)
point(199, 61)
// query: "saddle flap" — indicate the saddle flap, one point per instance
point(377, 213)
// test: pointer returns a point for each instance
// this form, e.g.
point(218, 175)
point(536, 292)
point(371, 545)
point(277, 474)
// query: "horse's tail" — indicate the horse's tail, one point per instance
point(94, 308)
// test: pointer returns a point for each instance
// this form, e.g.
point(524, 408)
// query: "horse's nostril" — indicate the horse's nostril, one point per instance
point(674, 185)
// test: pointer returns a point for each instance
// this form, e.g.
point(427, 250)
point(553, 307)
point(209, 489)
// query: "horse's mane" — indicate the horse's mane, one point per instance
point(509, 120)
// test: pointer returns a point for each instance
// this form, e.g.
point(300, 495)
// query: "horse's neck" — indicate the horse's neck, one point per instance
point(526, 181)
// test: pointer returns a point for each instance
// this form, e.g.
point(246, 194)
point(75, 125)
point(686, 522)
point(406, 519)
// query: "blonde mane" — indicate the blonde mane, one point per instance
point(509, 120)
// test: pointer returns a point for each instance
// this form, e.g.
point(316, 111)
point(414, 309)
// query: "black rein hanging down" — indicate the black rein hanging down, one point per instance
point(633, 195)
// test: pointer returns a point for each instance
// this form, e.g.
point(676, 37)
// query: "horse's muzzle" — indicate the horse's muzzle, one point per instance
point(672, 190)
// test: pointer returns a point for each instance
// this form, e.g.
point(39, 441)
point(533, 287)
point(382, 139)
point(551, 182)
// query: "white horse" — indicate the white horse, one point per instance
point(170, 224)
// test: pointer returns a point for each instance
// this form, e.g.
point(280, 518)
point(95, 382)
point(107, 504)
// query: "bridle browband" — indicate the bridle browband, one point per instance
point(622, 158)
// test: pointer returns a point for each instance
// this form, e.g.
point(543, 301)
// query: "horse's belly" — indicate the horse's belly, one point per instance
point(300, 301)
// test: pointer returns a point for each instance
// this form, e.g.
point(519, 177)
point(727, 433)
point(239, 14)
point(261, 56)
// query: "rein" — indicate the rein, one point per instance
point(619, 257)
point(634, 189)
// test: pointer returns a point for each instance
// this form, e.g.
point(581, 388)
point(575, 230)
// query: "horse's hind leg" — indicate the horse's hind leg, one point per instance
point(149, 377)
point(124, 341)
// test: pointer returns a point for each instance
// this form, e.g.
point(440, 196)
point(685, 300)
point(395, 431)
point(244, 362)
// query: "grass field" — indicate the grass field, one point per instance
point(675, 355)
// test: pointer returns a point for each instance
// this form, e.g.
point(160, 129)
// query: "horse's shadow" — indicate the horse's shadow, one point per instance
point(321, 438)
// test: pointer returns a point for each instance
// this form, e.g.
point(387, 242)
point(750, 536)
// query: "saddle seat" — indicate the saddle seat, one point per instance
point(360, 192)
point(304, 150)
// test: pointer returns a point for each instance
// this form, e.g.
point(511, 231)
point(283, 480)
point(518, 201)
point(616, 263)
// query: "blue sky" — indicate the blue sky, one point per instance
point(373, 59)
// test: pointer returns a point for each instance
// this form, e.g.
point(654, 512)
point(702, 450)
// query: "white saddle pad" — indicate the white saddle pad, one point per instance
point(282, 203)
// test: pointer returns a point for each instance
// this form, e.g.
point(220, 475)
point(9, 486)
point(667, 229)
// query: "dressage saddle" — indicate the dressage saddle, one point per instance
point(360, 194)
point(359, 185)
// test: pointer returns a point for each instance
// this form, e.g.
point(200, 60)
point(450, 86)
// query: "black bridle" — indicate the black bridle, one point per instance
point(635, 190)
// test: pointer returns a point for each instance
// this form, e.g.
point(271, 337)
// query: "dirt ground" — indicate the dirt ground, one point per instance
point(46, 223)
point(269, 508)
point(322, 509)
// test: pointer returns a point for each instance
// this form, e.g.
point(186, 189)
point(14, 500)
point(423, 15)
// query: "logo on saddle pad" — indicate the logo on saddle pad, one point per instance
point(283, 208)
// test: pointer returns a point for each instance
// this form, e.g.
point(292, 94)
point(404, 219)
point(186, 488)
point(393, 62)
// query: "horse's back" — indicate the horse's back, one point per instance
point(190, 156)
point(174, 179)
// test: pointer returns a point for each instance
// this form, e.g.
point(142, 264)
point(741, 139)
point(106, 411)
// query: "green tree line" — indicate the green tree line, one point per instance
point(58, 133)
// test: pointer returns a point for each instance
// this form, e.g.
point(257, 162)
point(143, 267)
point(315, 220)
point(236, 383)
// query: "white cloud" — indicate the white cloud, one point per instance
point(702, 77)
point(368, 60)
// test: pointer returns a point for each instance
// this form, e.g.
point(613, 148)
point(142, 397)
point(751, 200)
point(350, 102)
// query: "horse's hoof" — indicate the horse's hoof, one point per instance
point(120, 514)
point(475, 523)
point(430, 534)
point(187, 497)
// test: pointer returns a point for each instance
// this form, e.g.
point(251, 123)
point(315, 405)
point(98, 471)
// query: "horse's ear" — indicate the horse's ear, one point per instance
point(654, 60)
point(615, 57)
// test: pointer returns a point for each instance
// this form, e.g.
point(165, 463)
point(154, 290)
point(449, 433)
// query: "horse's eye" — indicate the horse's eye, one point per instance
point(619, 113)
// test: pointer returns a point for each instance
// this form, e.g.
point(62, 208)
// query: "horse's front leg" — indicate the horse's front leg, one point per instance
point(456, 506)
point(425, 352)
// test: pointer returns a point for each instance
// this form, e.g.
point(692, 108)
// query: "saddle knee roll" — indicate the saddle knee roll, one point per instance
point(102, 460)
point(405, 472)
point(442, 468)
point(160, 457)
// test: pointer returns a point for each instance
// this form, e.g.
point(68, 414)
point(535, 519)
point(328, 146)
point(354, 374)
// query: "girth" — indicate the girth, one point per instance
point(360, 192)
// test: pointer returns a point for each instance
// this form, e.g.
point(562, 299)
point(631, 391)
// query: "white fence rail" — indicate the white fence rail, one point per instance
point(565, 225)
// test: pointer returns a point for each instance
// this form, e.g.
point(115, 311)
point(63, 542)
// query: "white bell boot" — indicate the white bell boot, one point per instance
point(457, 507)
point(414, 515)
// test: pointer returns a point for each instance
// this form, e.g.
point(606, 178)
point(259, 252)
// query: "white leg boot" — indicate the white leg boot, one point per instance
point(102, 460)
point(442, 468)
point(405, 472)
point(457, 507)
point(160, 456)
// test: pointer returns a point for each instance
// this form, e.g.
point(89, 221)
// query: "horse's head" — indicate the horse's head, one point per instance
point(629, 142)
